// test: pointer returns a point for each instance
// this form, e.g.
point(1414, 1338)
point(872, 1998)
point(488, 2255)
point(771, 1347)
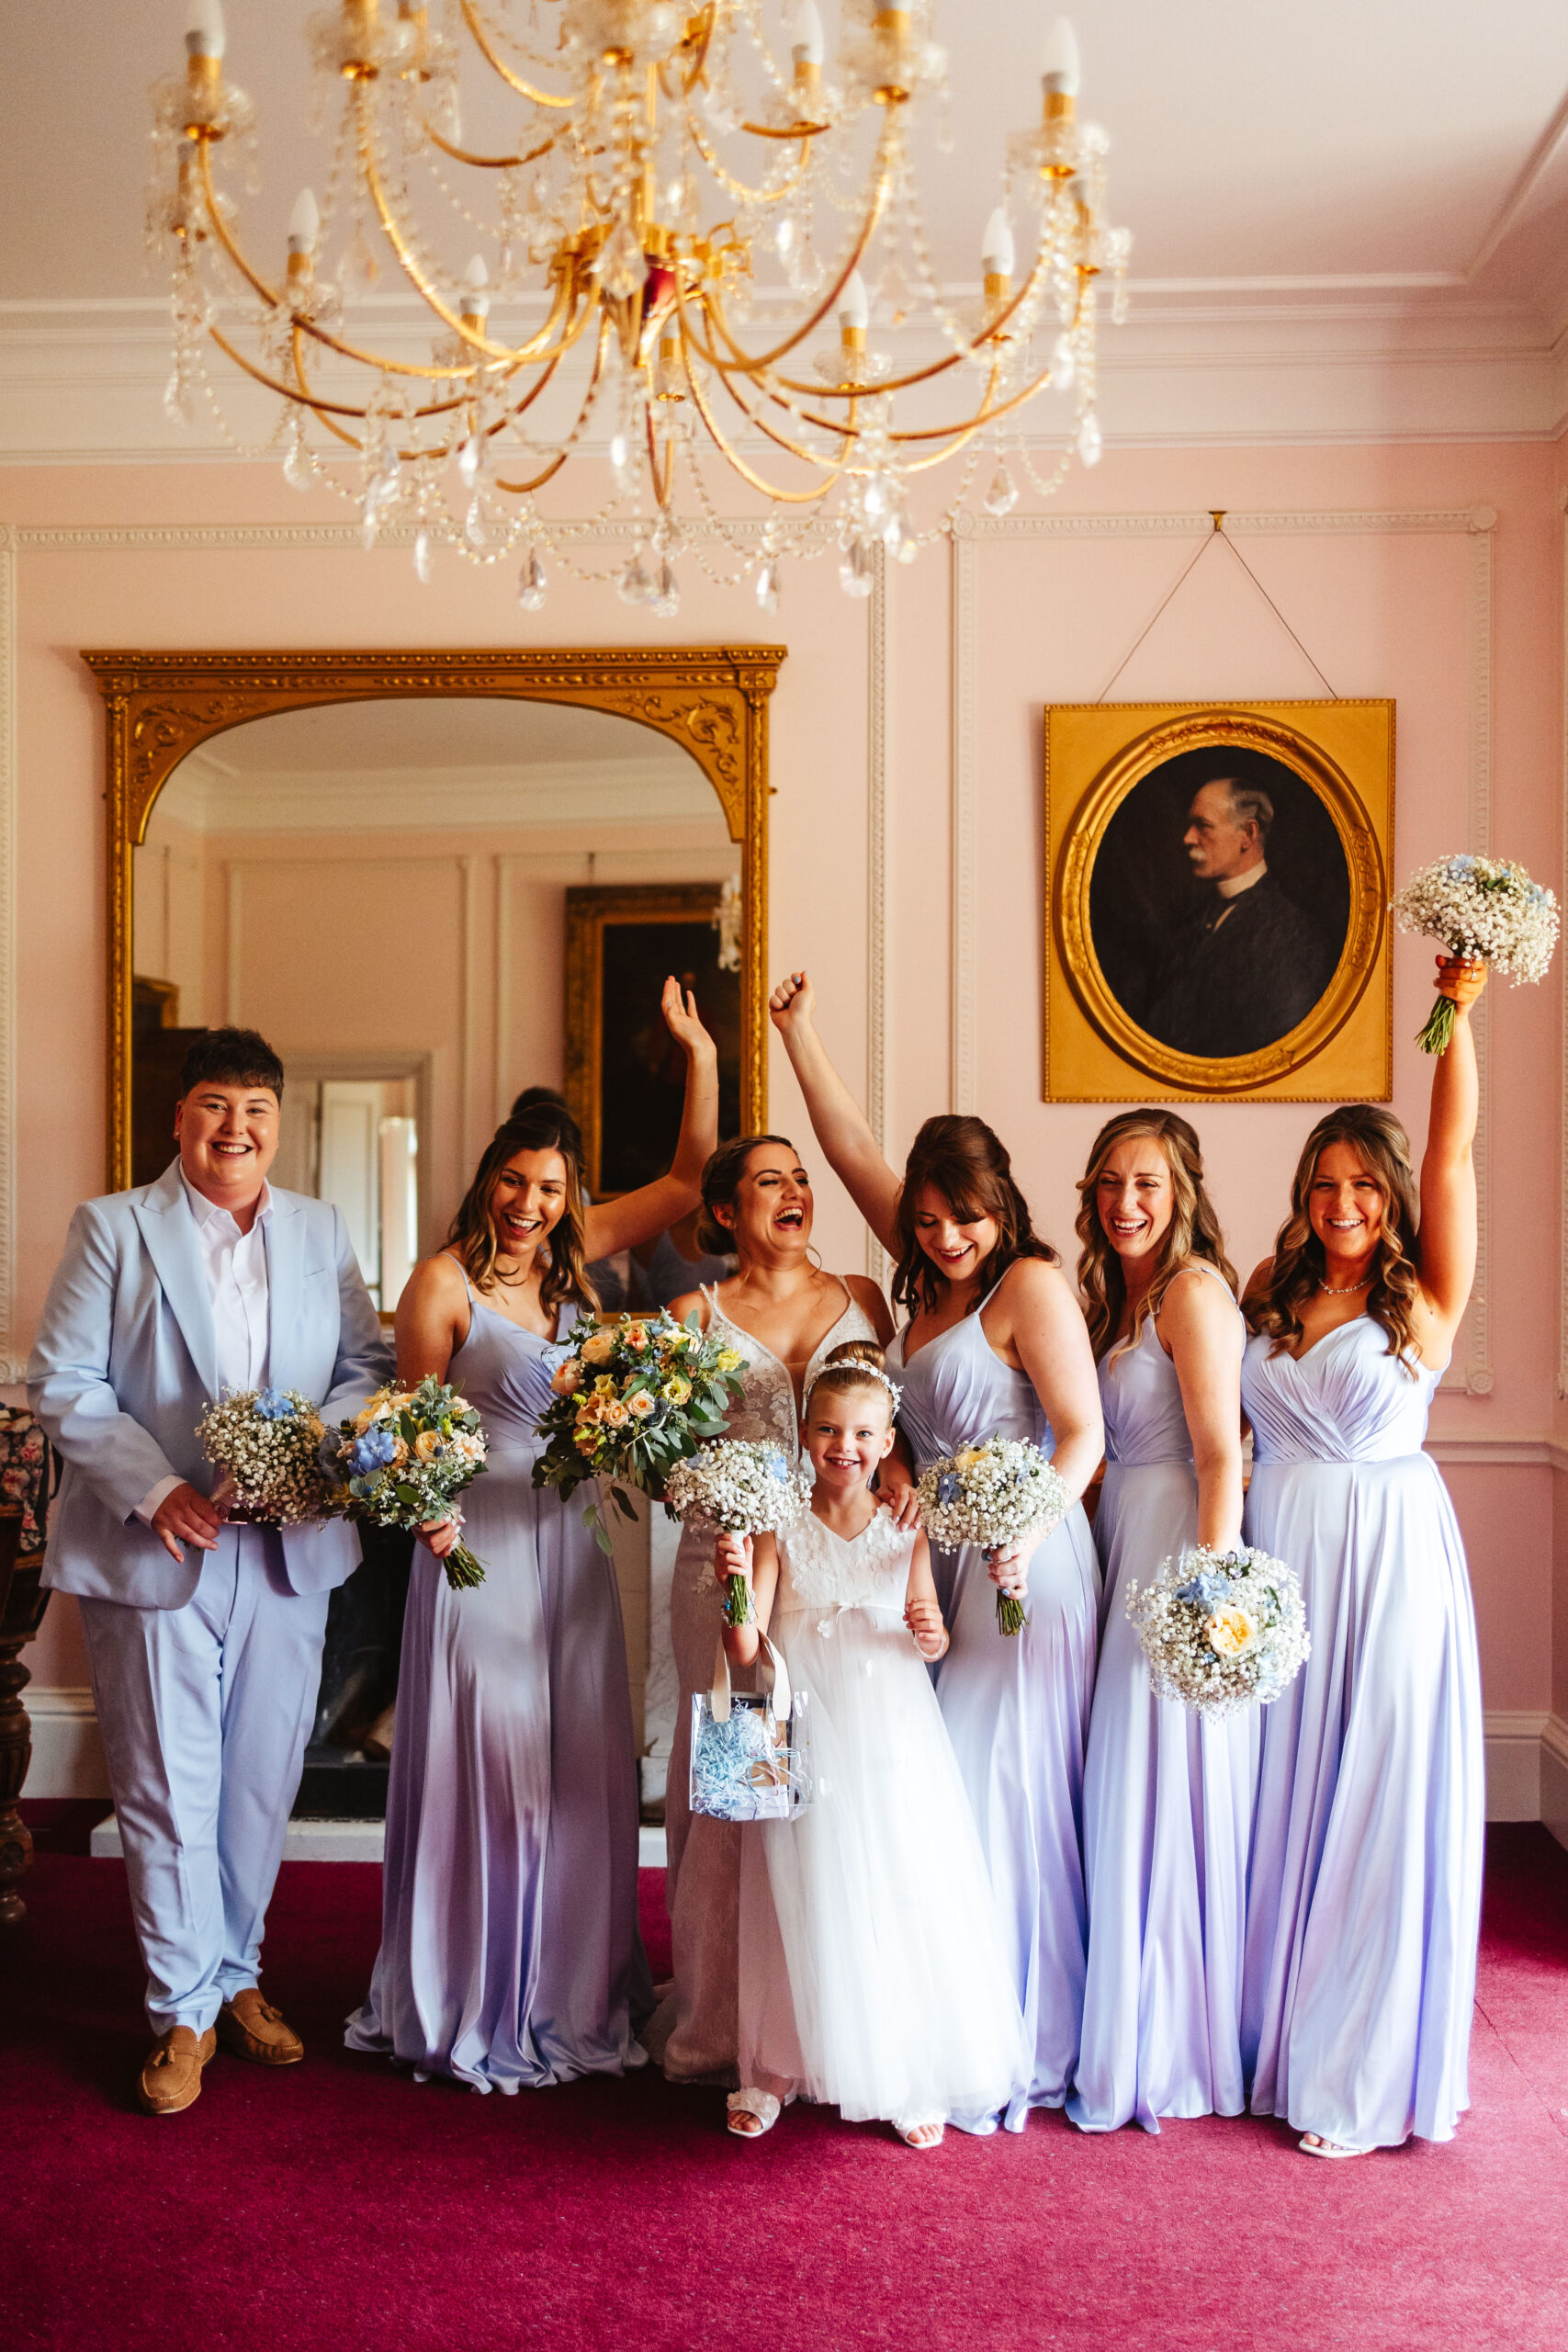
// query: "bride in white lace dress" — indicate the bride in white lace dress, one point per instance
point(784, 1315)
point(873, 1975)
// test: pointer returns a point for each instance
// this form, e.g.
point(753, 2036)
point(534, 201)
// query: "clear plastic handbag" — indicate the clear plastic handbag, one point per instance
point(751, 1749)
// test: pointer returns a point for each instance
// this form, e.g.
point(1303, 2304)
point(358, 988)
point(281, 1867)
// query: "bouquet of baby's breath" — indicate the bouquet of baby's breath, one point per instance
point(1479, 906)
point(404, 1459)
point(637, 1394)
point(1221, 1630)
point(992, 1494)
point(264, 1440)
point(740, 1486)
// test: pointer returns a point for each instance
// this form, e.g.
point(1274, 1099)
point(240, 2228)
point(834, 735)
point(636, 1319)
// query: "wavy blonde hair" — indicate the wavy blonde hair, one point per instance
point(1299, 1263)
point(546, 1127)
point(1193, 1231)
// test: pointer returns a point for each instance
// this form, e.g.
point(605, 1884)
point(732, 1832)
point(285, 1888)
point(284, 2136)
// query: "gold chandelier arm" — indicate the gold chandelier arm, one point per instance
point(934, 367)
point(739, 188)
point(483, 162)
point(983, 416)
point(847, 434)
point(326, 409)
point(796, 129)
point(275, 301)
point(505, 355)
point(734, 459)
point(482, 43)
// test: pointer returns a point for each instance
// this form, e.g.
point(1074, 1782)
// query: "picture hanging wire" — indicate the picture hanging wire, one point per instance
point(1219, 532)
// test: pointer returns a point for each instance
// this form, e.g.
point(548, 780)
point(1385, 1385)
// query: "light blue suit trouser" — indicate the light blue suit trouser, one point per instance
point(205, 1712)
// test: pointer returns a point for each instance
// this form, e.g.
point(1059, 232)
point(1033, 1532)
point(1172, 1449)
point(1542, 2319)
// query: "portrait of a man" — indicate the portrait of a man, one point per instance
point(1220, 903)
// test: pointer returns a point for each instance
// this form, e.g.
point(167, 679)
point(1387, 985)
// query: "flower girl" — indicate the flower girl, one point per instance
point(873, 1976)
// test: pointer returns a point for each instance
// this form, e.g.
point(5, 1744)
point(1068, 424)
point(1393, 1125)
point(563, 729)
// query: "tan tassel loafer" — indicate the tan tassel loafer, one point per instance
point(252, 2028)
point(171, 2080)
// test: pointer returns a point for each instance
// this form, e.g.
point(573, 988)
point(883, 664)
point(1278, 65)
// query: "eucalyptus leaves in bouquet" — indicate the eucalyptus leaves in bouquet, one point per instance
point(637, 1394)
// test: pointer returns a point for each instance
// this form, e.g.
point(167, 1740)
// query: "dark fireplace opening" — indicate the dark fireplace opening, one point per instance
point(347, 1760)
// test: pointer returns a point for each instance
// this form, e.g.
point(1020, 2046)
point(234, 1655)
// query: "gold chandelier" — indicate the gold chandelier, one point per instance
point(678, 294)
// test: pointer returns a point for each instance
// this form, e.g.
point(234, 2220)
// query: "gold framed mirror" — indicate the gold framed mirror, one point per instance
point(708, 704)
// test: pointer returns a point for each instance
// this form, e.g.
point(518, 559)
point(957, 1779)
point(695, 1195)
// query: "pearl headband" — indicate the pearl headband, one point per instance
point(862, 1371)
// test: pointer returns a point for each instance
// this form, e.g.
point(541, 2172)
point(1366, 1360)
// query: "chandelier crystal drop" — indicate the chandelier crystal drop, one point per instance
point(704, 255)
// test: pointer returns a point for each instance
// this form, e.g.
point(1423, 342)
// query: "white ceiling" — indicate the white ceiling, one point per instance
point(1250, 138)
point(1391, 173)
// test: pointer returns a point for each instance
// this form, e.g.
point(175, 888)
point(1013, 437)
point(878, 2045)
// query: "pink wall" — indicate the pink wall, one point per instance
point(1383, 611)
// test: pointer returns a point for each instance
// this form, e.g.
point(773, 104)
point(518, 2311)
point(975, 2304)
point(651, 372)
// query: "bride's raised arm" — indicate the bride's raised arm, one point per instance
point(638, 1217)
point(1448, 1166)
point(838, 1122)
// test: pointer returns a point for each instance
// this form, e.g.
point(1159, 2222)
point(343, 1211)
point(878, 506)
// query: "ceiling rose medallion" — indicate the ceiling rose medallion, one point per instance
point(718, 252)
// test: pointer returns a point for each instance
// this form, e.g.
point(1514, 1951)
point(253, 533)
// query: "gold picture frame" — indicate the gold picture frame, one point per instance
point(712, 700)
point(1097, 756)
point(655, 922)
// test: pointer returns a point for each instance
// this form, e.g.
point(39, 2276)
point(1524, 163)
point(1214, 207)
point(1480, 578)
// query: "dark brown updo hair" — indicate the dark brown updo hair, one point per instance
point(1377, 1137)
point(721, 1184)
point(968, 1164)
point(844, 1371)
point(547, 1126)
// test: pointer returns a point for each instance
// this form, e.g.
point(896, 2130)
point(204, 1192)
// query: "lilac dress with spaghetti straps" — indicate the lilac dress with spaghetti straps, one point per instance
point(510, 1954)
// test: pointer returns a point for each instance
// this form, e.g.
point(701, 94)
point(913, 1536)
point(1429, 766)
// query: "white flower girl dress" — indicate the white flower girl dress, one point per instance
point(872, 1973)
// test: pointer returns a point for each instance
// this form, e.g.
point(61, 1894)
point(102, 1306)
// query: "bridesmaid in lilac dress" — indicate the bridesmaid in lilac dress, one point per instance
point(1365, 1891)
point(510, 1953)
point(995, 1343)
point(1168, 1795)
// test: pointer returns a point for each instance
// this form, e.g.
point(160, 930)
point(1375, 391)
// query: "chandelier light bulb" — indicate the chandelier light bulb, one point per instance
point(304, 223)
point(476, 289)
point(996, 248)
point(205, 36)
point(805, 43)
point(1059, 68)
point(854, 313)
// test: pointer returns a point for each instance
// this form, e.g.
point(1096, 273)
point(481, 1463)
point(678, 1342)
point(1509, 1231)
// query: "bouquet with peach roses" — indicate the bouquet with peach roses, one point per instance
point(638, 1394)
point(404, 1459)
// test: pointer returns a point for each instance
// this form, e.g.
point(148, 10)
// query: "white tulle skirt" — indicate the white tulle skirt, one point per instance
point(873, 1975)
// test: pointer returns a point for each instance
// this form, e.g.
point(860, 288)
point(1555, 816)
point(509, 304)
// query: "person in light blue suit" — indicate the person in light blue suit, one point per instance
point(204, 1637)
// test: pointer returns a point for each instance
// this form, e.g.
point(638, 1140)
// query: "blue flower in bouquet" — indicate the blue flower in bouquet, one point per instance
point(779, 1468)
point(949, 1487)
point(372, 1451)
point(1207, 1589)
point(272, 1405)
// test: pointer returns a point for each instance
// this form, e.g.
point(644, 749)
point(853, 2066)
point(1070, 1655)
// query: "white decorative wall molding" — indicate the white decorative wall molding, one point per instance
point(467, 1001)
point(1472, 1372)
point(68, 1751)
point(506, 866)
point(260, 802)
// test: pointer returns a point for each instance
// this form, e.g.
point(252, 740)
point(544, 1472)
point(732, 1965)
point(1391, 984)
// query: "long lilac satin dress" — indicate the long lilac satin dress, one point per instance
point(1364, 1907)
point(1017, 1710)
point(1168, 1799)
point(510, 1954)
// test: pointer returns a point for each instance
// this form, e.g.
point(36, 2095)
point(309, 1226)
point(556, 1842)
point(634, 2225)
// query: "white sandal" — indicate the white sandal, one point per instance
point(1313, 2144)
point(762, 2106)
point(927, 2123)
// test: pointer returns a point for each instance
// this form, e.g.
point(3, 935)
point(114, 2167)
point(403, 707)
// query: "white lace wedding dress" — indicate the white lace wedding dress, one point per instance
point(872, 1974)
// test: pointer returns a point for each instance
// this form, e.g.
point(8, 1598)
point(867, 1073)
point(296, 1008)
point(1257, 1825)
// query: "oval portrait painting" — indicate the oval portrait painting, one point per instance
point(1220, 903)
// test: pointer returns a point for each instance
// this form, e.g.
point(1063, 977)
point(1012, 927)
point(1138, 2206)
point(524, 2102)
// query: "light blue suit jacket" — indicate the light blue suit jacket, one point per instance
point(127, 1358)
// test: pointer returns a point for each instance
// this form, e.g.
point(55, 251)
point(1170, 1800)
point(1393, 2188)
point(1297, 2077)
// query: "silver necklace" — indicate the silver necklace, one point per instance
point(1345, 1290)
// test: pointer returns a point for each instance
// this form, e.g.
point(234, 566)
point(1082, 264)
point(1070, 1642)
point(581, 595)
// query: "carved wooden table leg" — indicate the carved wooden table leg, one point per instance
point(21, 1608)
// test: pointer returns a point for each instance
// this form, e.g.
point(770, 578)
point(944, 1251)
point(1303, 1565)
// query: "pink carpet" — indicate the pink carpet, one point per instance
point(341, 2208)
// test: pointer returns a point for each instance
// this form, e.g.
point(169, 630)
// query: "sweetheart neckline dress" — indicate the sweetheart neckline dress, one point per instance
point(510, 1953)
point(1017, 1710)
point(873, 1974)
point(694, 2034)
point(1168, 1799)
point(1365, 1884)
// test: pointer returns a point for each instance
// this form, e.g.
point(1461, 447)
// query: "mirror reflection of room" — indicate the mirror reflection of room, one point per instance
point(428, 905)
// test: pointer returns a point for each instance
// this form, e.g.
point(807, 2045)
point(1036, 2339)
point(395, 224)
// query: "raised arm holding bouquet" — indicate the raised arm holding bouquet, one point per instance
point(514, 1795)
